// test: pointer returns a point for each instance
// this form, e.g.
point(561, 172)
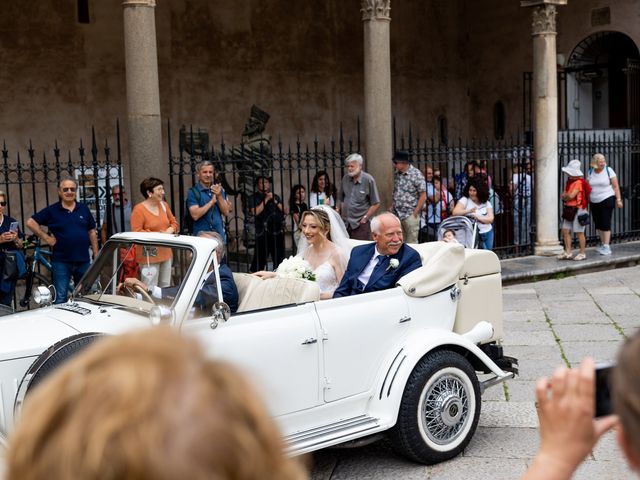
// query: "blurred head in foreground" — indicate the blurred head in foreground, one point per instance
point(146, 405)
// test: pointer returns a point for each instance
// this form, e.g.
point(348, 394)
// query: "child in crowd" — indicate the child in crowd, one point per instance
point(449, 236)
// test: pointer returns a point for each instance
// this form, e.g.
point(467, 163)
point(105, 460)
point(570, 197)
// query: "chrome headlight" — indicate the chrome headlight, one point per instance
point(42, 296)
point(160, 314)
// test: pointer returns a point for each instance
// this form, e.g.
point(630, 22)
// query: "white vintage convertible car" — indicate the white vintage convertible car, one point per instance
point(409, 362)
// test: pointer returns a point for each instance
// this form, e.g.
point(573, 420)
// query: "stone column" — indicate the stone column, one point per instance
point(377, 96)
point(144, 129)
point(545, 124)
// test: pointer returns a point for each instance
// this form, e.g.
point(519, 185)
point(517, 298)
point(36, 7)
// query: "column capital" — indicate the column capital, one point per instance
point(544, 20)
point(375, 9)
point(139, 3)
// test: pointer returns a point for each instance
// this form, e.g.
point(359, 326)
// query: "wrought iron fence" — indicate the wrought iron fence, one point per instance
point(622, 152)
point(238, 167)
point(508, 166)
point(31, 183)
point(30, 179)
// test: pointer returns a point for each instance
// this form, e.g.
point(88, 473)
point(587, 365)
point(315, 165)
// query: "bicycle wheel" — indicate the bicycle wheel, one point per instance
point(38, 280)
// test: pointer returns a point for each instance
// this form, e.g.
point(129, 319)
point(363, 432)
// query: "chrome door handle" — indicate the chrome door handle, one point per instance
point(406, 318)
point(310, 341)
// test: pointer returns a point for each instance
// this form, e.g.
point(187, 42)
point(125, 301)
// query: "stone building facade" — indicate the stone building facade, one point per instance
point(301, 62)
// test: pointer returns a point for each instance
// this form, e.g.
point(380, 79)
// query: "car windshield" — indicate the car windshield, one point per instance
point(125, 273)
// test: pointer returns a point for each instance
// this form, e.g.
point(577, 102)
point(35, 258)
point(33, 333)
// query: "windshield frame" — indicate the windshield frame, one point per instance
point(109, 254)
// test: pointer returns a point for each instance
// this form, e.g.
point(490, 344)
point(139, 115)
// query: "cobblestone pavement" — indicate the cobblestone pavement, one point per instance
point(547, 323)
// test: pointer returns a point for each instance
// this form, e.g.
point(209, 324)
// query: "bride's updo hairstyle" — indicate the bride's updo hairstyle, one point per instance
point(321, 217)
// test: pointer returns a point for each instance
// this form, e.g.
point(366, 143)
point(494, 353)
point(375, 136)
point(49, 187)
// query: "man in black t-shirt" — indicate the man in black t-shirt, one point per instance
point(269, 221)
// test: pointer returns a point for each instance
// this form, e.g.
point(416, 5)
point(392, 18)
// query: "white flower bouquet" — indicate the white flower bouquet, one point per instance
point(295, 267)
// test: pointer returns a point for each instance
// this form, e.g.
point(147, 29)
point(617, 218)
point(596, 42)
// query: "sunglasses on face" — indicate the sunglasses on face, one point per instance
point(3, 204)
point(69, 189)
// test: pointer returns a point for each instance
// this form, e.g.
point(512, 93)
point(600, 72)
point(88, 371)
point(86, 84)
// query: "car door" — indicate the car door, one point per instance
point(278, 348)
point(358, 333)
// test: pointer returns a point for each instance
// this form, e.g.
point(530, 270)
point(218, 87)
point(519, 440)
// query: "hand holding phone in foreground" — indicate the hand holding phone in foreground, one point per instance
point(568, 431)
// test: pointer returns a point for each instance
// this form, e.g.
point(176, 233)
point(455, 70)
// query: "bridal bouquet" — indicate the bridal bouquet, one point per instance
point(295, 267)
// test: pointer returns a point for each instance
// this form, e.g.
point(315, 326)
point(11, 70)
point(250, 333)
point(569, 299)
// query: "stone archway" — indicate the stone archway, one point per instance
point(601, 81)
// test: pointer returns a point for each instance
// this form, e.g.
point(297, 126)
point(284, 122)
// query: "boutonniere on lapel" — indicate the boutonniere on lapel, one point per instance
point(393, 264)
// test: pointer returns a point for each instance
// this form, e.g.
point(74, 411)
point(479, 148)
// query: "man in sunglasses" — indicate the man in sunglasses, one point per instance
point(72, 230)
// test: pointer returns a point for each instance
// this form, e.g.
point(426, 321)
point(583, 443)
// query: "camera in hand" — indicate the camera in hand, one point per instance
point(603, 389)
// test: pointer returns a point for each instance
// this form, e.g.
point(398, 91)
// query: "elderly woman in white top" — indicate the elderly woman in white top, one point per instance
point(605, 196)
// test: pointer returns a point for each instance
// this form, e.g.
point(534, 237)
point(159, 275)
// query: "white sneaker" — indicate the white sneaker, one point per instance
point(606, 250)
point(601, 250)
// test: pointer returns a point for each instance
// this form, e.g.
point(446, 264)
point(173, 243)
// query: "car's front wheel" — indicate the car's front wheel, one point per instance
point(50, 360)
point(439, 410)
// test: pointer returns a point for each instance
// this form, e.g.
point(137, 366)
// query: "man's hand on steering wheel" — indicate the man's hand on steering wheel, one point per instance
point(131, 285)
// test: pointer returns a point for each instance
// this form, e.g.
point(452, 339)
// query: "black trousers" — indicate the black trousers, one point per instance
point(267, 245)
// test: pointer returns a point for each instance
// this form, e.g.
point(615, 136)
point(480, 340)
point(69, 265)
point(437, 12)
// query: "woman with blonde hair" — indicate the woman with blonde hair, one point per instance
point(146, 405)
point(605, 196)
point(324, 244)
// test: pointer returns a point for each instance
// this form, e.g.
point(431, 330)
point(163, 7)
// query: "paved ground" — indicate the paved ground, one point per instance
point(547, 323)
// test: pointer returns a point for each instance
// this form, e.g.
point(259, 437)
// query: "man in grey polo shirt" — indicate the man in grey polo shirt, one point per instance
point(359, 198)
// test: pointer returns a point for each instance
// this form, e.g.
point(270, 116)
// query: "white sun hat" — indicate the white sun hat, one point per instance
point(573, 169)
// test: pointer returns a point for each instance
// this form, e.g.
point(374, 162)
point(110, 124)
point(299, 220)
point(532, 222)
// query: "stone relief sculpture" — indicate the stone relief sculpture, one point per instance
point(251, 159)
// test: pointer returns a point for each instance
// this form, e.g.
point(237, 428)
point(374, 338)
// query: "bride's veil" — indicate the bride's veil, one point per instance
point(339, 235)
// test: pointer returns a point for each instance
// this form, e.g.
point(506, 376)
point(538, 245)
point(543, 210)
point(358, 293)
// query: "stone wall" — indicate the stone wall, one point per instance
point(300, 61)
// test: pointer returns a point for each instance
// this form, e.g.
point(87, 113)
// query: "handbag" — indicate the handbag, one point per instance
point(583, 219)
point(14, 266)
point(569, 212)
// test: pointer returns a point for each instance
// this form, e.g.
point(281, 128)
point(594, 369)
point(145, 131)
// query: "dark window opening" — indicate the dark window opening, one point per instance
point(498, 121)
point(443, 130)
point(83, 11)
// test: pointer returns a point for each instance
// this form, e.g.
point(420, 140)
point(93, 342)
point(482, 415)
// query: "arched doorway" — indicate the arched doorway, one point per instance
point(602, 75)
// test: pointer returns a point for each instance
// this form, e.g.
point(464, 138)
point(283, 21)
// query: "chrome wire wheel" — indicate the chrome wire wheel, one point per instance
point(444, 407)
point(440, 408)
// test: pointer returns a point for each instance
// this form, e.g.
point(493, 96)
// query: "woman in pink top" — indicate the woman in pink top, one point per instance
point(153, 215)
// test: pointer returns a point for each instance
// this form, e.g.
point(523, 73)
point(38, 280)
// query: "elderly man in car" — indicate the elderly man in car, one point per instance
point(208, 293)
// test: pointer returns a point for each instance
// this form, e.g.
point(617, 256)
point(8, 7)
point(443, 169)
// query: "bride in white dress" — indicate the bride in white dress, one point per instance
point(324, 244)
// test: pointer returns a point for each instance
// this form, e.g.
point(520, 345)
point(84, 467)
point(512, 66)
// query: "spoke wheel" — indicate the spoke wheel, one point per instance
point(440, 409)
point(444, 407)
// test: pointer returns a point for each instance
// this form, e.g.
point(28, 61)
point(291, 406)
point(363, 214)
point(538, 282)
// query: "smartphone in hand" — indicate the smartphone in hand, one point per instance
point(603, 389)
point(13, 227)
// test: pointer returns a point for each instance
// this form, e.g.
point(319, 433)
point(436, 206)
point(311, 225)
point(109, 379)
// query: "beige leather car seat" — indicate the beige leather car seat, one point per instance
point(255, 293)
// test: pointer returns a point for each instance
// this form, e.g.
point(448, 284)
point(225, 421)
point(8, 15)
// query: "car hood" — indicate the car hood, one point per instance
point(30, 333)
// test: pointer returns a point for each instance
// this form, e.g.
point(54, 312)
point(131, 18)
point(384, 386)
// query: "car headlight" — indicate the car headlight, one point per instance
point(160, 314)
point(42, 295)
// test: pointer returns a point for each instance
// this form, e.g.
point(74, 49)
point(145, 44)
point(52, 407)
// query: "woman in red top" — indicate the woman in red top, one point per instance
point(575, 204)
point(154, 215)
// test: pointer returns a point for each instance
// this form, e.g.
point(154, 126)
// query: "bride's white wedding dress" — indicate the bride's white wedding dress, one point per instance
point(326, 276)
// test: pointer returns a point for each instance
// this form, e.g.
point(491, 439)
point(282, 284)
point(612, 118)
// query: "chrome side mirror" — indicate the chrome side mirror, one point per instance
point(43, 296)
point(221, 313)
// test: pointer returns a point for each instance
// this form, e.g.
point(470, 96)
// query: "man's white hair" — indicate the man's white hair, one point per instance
point(376, 221)
point(221, 250)
point(354, 157)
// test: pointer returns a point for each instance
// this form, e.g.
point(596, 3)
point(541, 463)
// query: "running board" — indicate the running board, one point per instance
point(495, 381)
point(332, 434)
